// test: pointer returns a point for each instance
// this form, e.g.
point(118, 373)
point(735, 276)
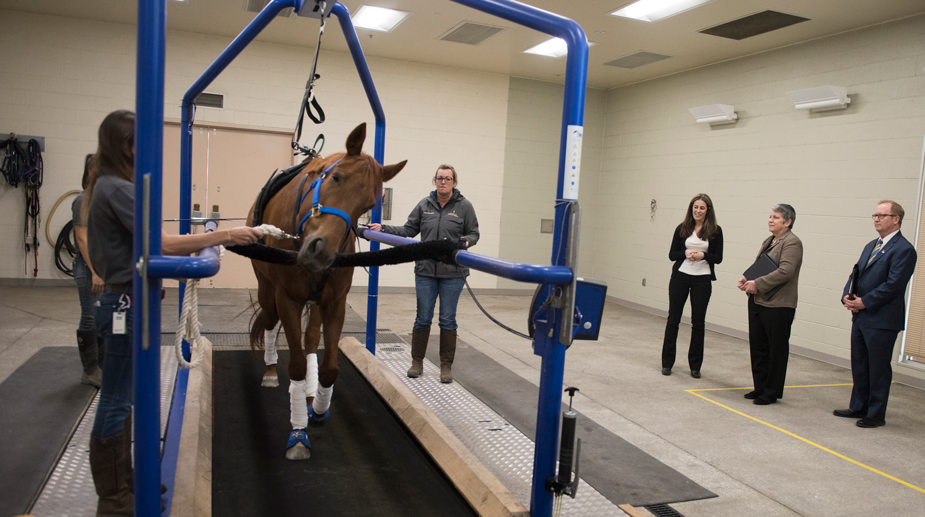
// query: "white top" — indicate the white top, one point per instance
point(699, 267)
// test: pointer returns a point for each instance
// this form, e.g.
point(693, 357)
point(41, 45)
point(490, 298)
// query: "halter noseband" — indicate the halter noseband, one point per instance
point(317, 207)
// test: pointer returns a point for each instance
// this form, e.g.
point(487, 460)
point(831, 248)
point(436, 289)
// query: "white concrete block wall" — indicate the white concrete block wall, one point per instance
point(59, 86)
point(534, 123)
point(832, 167)
point(62, 85)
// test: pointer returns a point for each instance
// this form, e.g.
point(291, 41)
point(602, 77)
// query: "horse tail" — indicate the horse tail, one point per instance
point(258, 325)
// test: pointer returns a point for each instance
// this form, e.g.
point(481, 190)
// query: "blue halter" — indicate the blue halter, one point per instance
point(317, 207)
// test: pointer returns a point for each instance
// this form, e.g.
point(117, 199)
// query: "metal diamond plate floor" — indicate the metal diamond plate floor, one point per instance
point(69, 491)
point(500, 446)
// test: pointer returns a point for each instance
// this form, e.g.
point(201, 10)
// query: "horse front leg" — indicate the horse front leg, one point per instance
point(267, 320)
point(319, 399)
point(298, 447)
point(332, 318)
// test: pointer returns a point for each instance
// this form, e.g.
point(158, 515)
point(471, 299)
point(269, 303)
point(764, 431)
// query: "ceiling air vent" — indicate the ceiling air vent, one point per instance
point(636, 60)
point(470, 33)
point(753, 25)
point(210, 100)
point(255, 6)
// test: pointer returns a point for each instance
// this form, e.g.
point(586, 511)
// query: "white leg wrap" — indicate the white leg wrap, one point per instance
point(298, 410)
point(269, 352)
point(311, 375)
point(322, 399)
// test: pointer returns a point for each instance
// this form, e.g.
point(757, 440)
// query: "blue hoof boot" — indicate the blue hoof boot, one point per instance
point(316, 420)
point(298, 448)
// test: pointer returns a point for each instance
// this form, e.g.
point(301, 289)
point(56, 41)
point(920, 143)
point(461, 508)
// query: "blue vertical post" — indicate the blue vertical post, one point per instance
point(343, 16)
point(149, 141)
point(553, 365)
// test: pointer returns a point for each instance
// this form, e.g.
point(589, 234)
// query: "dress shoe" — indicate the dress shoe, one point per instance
point(751, 395)
point(848, 413)
point(695, 374)
point(870, 423)
point(666, 371)
point(762, 401)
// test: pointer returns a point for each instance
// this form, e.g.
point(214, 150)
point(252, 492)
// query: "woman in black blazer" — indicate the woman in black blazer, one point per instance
point(696, 247)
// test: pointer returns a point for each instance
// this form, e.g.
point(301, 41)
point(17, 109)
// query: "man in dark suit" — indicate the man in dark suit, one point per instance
point(878, 314)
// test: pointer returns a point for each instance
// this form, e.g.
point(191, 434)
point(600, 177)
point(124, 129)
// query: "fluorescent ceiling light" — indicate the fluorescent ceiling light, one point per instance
point(555, 47)
point(655, 10)
point(378, 18)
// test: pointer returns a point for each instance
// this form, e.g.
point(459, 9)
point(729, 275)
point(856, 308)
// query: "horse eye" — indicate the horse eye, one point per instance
point(336, 178)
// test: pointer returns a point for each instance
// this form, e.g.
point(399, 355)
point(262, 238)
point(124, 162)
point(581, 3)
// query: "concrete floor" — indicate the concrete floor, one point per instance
point(790, 458)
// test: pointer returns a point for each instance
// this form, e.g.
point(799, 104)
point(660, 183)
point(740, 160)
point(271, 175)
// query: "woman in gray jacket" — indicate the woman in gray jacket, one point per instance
point(443, 214)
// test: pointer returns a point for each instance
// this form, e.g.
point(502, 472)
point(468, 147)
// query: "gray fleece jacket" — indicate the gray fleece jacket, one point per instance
point(454, 221)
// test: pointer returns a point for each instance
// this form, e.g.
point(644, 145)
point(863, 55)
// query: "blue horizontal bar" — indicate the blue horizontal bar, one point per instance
point(534, 273)
point(203, 266)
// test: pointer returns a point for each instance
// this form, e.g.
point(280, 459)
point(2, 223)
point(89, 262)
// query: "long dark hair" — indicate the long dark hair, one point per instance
point(85, 180)
point(708, 230)
point(116, 153)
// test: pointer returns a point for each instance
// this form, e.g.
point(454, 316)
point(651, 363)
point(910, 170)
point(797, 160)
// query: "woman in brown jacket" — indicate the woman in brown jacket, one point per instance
point(772, 302)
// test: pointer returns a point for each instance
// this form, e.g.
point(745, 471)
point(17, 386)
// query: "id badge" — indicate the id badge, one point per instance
point(118, 323)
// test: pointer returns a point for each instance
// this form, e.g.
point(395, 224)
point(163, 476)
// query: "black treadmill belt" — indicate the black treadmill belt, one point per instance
point(40, 405)
point(364, 461)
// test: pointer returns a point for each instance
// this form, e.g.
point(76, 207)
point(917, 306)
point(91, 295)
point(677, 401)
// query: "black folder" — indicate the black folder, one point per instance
point(853, 283)
point(763, 265)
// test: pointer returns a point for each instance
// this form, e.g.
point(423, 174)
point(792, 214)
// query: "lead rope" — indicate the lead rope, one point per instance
point(188, 327)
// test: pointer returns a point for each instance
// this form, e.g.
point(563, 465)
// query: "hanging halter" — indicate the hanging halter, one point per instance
point(317, 207)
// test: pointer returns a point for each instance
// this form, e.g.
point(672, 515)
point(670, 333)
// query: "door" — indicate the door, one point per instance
point(235, 164)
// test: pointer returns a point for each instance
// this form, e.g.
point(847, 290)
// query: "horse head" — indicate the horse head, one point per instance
point(350, 183)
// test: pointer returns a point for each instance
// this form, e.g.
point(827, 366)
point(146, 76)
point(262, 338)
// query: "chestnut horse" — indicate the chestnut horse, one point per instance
point(341, 187)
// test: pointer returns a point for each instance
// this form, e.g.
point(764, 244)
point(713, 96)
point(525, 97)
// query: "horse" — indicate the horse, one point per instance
point(343, 187)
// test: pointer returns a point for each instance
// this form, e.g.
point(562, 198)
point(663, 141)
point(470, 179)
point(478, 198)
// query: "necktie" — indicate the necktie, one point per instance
point(876, 249)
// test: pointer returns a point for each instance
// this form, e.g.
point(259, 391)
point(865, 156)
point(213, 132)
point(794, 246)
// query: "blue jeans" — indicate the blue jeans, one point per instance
point(84, 280)
point(427, 289)
point(116, 395)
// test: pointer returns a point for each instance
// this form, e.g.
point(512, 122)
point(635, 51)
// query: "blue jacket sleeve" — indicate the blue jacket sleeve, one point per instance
point(901, 269)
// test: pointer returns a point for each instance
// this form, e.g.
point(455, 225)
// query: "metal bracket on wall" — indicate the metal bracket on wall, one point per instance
point(24, 140)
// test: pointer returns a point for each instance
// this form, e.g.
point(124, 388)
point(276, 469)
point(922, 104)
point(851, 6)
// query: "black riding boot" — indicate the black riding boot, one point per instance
point(419, 339)
point(89, 358)
point(109, 463)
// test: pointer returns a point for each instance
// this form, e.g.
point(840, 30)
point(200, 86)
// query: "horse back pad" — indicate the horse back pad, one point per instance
point(274, 185)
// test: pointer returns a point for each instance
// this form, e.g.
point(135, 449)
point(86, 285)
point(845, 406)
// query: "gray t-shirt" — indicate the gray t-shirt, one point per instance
point(75, 215)
point(75, 210)
point(110, 227)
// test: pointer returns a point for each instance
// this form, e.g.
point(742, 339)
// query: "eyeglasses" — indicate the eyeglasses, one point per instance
point(877, 217)
point(442, 180)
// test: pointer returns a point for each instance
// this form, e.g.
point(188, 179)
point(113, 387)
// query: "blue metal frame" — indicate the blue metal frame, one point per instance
point(148, 161)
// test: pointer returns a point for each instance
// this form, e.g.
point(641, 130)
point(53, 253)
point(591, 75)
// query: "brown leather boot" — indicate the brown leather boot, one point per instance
point(108, 460)
point(419, 339)
point(447, 354)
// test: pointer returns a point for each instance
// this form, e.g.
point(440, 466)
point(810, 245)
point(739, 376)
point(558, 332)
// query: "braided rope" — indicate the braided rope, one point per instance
point(189, 327)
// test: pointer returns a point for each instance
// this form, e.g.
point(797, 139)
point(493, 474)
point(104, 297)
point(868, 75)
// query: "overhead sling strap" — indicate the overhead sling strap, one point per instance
point(309, 101)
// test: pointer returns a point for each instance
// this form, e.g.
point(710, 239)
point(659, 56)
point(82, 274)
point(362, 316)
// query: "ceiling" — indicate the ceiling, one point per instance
point(416, 39)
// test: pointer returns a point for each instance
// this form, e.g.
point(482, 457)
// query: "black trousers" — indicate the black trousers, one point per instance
point(700, 288)
point(769, 344)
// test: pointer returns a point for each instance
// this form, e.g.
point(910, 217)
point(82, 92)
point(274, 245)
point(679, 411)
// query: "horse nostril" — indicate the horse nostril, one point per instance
point(316, 245)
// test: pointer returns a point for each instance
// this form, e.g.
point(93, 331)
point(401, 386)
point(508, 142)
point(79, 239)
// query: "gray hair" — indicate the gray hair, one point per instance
point(787, 212)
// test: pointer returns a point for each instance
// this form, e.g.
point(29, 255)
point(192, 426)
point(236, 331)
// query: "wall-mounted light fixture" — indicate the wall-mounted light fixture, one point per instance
point(822, 98)
point(715, 114)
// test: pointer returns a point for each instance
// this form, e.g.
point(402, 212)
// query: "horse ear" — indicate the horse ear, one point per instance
point(390, 171)
point(356, 139)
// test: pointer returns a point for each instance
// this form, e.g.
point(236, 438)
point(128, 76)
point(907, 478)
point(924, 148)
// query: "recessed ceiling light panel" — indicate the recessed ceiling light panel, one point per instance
point(378, 18)
point(655, 10)
point(555, 47)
